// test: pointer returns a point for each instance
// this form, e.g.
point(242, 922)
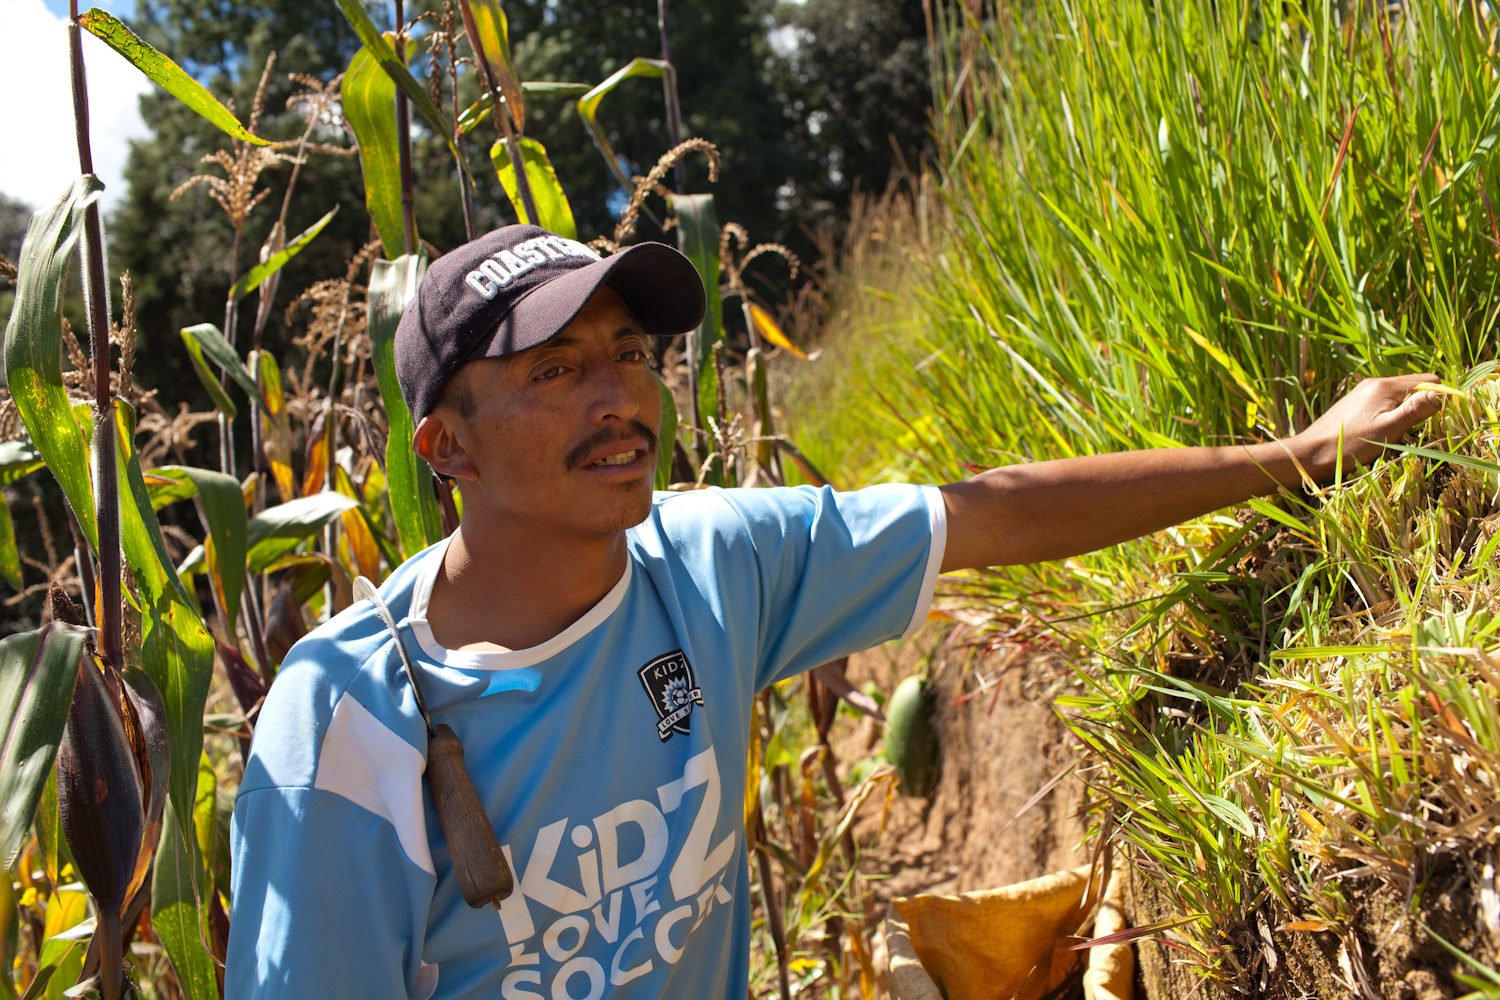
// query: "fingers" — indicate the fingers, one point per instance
point(1421, 405)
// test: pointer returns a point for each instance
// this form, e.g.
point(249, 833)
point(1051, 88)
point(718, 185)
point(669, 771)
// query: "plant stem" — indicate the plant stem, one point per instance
point(84, 560)
point(669, 87)
point(771, 905)
point(110, 972)
point(106, 473)
point(502, 117)
point(465, 182)
point(231, 334)
point(331, 429)
point(403, 144)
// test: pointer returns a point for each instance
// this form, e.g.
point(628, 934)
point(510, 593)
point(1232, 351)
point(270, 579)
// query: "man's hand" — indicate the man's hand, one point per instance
point(1052, 510)
point(1378, 411)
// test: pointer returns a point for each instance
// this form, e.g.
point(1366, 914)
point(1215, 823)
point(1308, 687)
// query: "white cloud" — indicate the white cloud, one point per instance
point(38, 153)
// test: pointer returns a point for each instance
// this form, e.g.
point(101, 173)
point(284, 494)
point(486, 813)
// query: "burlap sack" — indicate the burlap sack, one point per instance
point(1006, 943)
point(1111, 971)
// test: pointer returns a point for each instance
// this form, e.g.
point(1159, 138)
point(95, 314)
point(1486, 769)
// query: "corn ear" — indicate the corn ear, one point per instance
point(102, 790)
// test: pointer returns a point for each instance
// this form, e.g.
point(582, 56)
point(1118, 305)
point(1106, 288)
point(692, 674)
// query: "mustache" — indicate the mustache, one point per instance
point(606, 436)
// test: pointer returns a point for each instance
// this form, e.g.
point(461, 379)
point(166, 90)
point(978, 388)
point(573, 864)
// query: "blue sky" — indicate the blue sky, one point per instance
point(39, 158)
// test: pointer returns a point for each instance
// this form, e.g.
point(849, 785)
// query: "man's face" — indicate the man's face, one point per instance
point(562, 436)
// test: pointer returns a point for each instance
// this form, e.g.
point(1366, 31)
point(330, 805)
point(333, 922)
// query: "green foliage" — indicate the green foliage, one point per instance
point(176, 649)
point(37, 672)
point(698, 239)
point(224, 509)
point(854, 85)
point(33, 346)
point(260, 272)
point(164, 72)
point(369, 99)
point(175, 915)
point(380, 50)
point(277, 530)
point(551, 202)
point(1199, 225)
point(392, 283)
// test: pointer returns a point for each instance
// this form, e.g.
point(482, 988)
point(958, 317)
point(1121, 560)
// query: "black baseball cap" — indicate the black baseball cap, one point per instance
point(521, 285)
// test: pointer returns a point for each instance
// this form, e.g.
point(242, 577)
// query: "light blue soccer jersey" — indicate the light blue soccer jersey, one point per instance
point(610, 759)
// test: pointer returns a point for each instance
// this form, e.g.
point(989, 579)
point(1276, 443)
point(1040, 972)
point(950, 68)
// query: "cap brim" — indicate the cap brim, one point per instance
point(660, 285)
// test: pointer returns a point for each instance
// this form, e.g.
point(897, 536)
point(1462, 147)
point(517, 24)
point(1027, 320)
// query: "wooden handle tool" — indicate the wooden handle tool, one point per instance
point(479, 864)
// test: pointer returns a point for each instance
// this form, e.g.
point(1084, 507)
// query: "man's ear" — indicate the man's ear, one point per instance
point(437, 442)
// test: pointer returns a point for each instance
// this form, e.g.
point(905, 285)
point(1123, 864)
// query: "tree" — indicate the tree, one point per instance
point(853, 80)
point(14, 215)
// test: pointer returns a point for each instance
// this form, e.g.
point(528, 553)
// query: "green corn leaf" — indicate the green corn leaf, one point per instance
point(165, 487)
point(212, 344)
point(698, 239)
point(260, 272)
point(205, 342)
point(216, 392)
point(61, 955)
point(385, 55)
point(588, 110)
point(666, 437)
point(369, 96)
point(195, 561)
point(418, 521)
point(177, 652)
point(480, 109)
point(546, 189)
point(205, 821)
point(48, 828)
point(224, 508)
point(37, 672)
point(33, 341)
point(165, 73)
point(176, 915)
point(494, 42)
point(276, 530)
point(18, 458)
point(10, 555)
point(9, 938)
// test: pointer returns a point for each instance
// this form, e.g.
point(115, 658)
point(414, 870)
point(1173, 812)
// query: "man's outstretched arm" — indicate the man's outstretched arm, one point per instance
point(1051, 510)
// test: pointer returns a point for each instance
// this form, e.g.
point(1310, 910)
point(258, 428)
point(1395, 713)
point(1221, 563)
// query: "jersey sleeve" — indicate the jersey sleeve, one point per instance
point(839, 572)
point(333, 877)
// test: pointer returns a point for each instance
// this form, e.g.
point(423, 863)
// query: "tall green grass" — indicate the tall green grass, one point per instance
point(1200, 223)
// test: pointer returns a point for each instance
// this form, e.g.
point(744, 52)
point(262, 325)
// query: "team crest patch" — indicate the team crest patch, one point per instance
point(669, 684)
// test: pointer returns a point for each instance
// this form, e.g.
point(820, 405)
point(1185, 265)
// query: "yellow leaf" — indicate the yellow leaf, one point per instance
point(1229, 364)
point(767, 328)
point(357, 534)
point(1440, 389)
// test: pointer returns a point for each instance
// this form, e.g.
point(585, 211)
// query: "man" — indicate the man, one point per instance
point(596, 647)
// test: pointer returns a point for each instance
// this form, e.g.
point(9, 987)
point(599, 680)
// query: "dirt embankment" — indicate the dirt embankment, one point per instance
point(999, 747)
